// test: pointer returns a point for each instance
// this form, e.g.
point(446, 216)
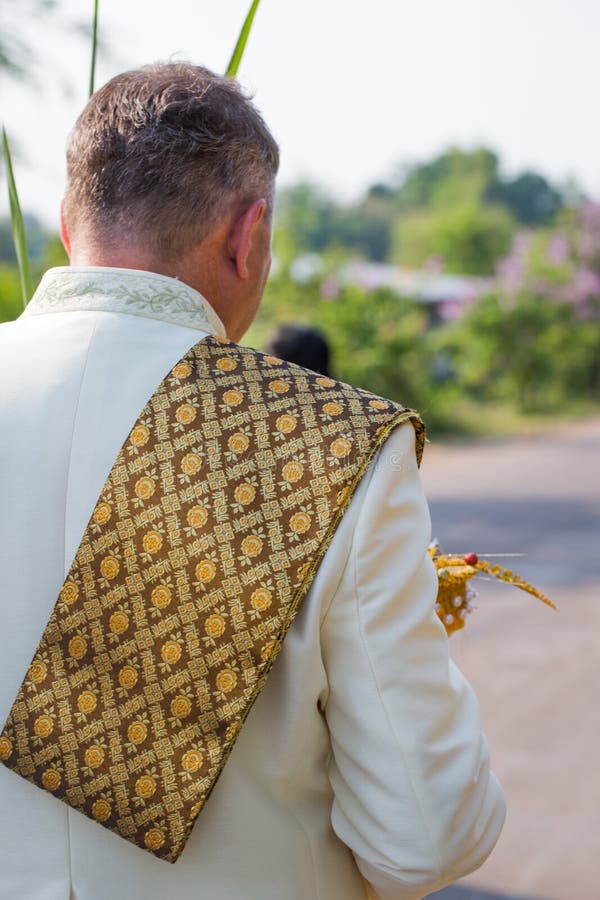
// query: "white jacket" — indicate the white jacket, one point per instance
point(363, 755)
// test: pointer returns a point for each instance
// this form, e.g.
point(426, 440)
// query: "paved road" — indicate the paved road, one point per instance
point(536, 672)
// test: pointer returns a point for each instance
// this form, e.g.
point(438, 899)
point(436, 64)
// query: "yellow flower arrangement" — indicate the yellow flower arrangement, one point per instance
point(233, 398)
point(128, 676)
point(43, 726)
point(252, 545)
point(332, 408)
point(279, 386)
point(455, 596)
point(170, 652)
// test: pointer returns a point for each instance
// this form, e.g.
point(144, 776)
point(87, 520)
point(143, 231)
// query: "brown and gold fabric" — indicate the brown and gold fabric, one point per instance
point(204, 540)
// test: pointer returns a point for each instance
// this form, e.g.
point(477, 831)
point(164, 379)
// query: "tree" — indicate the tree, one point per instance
point(530, 197)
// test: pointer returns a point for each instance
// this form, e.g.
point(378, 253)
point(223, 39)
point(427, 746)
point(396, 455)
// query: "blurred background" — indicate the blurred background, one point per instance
point(438, 222)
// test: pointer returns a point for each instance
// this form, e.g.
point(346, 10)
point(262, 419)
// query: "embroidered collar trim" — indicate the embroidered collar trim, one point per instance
point(130, 291)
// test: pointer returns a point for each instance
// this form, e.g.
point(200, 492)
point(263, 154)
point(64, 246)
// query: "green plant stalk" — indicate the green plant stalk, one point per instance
point(18, 228)
point(94, 48)
point(236, 56)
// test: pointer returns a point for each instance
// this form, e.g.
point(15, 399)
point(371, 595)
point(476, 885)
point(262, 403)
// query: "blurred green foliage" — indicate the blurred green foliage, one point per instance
point(528, 347)
point(458, 207)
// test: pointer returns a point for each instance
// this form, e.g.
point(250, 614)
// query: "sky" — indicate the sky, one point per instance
point(352, 90)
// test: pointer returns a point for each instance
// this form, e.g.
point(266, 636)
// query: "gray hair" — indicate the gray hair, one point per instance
point(160, 154)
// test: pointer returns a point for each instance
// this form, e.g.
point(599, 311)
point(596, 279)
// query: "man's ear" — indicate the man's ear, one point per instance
point(64, 234)
point(241, 235)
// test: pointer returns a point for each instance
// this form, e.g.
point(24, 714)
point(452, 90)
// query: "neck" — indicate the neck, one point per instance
point(200, 274)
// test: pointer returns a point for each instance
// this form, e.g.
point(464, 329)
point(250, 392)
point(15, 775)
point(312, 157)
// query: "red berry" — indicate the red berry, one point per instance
point(471, 559)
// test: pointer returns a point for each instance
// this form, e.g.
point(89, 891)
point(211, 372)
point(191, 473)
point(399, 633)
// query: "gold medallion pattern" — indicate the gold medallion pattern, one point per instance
point(204, 540)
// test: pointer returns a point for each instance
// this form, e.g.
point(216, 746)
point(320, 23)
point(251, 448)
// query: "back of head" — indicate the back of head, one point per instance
point(159, 155)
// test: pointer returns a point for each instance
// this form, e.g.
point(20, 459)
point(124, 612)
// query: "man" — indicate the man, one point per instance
point(361, 768)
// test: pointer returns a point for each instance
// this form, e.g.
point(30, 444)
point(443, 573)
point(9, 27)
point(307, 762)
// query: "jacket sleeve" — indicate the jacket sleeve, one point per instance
point(414, 797)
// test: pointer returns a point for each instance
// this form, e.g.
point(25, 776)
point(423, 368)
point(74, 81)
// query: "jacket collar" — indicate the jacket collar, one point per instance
point(130, 291)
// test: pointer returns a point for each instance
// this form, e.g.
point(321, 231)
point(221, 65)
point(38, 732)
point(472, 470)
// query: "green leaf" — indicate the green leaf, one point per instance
point(94, 48)
point(18, 228)
point(236, 56)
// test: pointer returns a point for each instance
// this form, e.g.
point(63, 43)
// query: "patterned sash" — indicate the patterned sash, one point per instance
point(205, 538)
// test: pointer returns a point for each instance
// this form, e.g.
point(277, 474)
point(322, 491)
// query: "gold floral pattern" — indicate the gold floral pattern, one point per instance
point(161, 596)
point(226, 680)
point(261, 599)
point(150, 661)
point(197, 516)
point(286, 424)
point(191, 464)
point(86, 702)
point(38, 670)
point(238, 443)
point(69, 592)
point(102, 514)
point(118, 622)
point(137, 732)
point(51, 779)
point(77, 647)
point(139, 436)
point(293, 471)
point(152, 541)
point(144, 487)
point(215, 626)
point(244, 493)
point(205, 571)
point(185, 414)
point(109, 567)
point(181, 707)
point(101, 810)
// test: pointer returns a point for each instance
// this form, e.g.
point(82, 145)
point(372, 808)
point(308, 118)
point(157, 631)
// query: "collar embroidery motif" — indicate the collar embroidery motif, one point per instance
point(137, 293)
